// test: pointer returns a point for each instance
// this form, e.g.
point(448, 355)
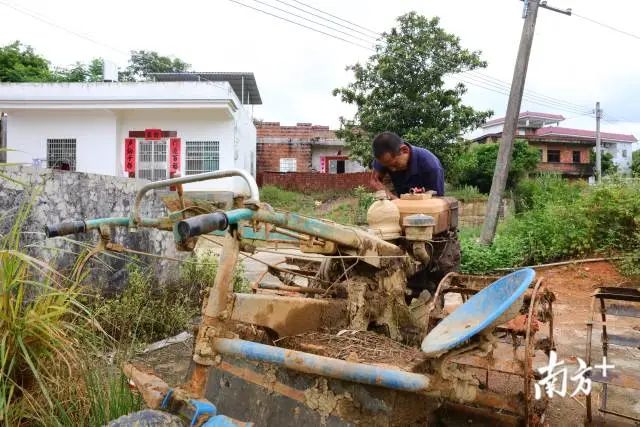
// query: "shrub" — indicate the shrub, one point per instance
point(144, 313)
point(147, 312)
point(561, 220)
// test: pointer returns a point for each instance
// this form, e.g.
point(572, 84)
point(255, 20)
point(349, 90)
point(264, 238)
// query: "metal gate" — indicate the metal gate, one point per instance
point(152, 161)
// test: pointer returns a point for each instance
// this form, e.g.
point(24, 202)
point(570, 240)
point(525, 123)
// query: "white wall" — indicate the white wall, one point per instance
point(616, 150)
point(320, 151)
point(198, 124)
point(100, 137)
point(94, 131)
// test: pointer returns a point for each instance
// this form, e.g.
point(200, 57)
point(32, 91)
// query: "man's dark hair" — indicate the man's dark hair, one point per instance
point(386, 142)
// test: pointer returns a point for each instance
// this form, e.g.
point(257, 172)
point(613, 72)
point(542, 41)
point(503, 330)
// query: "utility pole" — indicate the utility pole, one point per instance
point(598, 145)
point(503, 163)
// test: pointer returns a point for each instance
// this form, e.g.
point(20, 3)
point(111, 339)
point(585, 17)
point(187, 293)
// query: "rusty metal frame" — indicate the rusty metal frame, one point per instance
point(598, 300)
point(513, 367)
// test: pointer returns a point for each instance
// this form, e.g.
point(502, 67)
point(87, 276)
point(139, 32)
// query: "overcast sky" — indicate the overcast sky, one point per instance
point(572, 60)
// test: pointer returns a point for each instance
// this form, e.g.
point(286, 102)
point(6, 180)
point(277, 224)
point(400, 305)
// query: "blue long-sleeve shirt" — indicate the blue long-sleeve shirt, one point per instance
point(424, 170)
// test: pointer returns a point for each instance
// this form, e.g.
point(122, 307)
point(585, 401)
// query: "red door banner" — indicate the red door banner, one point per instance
point(153, 134)
point(174, 155)
point(130, 155)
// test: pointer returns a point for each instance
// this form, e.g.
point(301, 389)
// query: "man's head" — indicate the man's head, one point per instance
point(391, 151)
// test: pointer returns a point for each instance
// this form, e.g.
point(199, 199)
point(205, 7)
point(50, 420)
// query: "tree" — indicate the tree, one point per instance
point(19, 63)
point(402, 88)
point(635, 163)
point(476, 164)
point(606, 162)
point(92, 72)
point(143, 62)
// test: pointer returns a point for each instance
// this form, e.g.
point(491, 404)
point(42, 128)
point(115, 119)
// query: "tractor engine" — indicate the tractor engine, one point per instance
point(426, 227)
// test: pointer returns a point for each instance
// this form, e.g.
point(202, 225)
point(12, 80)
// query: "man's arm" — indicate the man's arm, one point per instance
point(377, 183)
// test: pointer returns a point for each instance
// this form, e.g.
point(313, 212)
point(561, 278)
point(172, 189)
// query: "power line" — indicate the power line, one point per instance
point(337, 17)
point(612, 28)
point(505, 91)
point(40, 18)
point(312, 21)
point(486, 79)
point(303, 25)
point(334, 22)
point(484, 76)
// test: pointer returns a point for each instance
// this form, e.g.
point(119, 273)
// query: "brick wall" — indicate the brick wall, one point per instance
point(313, 181)
point(268, 156)
point(299, 132)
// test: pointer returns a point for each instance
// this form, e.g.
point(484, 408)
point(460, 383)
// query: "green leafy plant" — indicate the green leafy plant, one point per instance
point(38, 309)
point(559, 220)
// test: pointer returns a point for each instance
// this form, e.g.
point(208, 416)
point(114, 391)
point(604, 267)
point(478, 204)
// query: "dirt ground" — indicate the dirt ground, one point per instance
point(572, 286)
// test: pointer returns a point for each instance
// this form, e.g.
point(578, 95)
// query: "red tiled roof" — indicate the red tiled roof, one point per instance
point(583, 133)
point(528, 114)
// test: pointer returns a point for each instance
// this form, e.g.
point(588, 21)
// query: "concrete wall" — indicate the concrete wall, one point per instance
point(64, 196)
point(94, 131)
point(617, 150)
point(472, 214)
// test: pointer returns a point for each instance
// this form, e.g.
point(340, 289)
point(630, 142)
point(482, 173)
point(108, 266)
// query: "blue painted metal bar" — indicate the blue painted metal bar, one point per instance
point(324, 366)
point(236, 215)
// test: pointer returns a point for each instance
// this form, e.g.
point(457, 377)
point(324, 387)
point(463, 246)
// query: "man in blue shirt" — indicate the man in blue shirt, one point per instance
point(408, 167)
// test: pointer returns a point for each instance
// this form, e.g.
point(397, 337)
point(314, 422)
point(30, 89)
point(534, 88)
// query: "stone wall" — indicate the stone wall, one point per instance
point(472, 214)
point(60, 196)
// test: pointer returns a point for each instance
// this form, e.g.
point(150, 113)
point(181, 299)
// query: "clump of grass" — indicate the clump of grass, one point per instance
point(144, 312)
point(467, 193)
point(38, 309)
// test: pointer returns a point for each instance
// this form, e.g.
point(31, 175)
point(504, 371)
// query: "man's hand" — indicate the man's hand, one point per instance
point(376, 181)
point(377, 184)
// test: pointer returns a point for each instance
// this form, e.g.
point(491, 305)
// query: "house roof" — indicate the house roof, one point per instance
point(243, 84)
point(117, 95)
point(547, 117)
point(584, 134)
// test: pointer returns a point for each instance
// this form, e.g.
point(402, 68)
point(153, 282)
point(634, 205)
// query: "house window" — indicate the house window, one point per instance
point(152, 159)
point(553, 156)
point(624, 153)
point(287, 165)
point(202, 156)
point(576, 157)
point(61, 153)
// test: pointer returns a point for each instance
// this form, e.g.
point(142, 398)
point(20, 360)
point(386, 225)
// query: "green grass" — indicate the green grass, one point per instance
point(466, 193)
point(559, 220)
point(344, 207)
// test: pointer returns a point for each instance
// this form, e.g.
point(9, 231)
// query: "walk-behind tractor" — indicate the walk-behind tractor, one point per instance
point(366, 326)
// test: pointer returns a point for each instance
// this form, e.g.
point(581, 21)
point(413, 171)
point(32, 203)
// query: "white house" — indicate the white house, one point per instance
point(151, 130)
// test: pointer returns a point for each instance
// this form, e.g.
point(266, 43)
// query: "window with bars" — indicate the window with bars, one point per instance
point(61, 153)
point(201, 156)
point(288, 165)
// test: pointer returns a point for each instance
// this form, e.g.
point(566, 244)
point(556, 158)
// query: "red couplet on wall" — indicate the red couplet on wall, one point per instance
point(174, 155)
point(130, 155)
